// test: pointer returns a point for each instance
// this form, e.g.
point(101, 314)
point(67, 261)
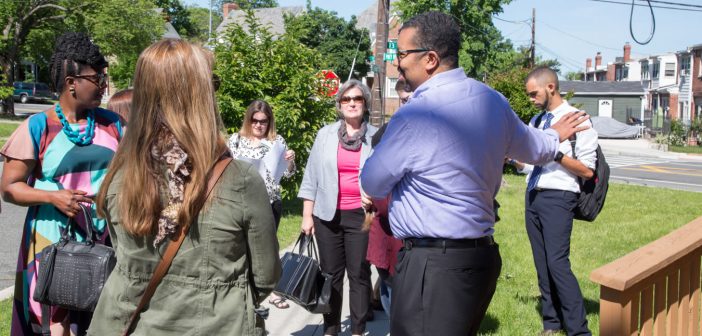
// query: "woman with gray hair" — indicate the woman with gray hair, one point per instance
point(333, 204)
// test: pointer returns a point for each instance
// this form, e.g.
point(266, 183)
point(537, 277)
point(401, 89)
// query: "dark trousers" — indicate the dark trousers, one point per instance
point(342, 246)
point(277, 207)
point(549, 222)
point(443, 292)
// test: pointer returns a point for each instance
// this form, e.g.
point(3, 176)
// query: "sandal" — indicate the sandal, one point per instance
point(279, 303)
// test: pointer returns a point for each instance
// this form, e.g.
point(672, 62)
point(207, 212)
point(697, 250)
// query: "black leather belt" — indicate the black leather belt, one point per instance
point(411, 243)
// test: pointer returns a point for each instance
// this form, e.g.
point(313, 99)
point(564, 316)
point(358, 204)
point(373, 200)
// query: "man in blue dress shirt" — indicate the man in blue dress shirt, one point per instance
point(441, 159)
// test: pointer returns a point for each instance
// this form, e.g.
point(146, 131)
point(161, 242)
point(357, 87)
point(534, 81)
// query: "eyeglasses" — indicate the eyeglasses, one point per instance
point(259, 121)
point(99, 79)
point(348, 99)
point(403, 53)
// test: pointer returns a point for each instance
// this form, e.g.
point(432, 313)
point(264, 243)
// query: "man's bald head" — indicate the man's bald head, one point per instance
point(544, 75)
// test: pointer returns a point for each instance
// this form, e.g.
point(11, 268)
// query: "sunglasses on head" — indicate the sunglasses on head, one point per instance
point(348, 99)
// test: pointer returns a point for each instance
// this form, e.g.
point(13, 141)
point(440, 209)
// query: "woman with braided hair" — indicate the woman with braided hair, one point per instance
point(54, 162)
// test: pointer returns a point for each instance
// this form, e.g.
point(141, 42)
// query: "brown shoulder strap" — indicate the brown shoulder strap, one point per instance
point(171, 250)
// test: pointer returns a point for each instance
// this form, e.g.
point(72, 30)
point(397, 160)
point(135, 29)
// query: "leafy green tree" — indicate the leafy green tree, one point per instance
point(511, 84)
point(338, 41)
point(572, 75)
point(179, 17)
point(123, 28)
point(252, 65)
point(482, 42)
point(28, 29)
point(200, 18)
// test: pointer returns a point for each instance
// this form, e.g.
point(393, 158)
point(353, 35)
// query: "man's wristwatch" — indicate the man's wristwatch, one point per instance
point(559, 157)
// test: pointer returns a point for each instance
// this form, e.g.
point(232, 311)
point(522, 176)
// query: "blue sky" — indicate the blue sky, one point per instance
point(572, 30)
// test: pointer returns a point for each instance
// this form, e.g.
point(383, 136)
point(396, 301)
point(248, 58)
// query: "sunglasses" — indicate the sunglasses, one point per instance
point(259, 121)
point(348, 99)
point(404, 53)
point(99, 79)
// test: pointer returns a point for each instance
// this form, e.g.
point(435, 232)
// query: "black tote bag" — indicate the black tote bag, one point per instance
point(302, 280)
point(72, 273)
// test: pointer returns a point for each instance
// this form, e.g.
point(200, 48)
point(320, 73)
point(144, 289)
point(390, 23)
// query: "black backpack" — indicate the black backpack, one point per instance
point(593, 192)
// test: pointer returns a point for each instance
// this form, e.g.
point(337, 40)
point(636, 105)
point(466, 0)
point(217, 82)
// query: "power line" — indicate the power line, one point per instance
point(674, 3)
point(631, 24)
point(524, 22)
point(567, 61)
point(578, 38)
point(654, 6)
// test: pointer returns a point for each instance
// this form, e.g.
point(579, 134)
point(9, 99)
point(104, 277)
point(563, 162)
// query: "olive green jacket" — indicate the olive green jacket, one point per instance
point(207, 289)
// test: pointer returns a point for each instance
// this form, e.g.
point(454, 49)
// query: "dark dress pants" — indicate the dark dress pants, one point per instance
point(443, 292)
point(342, 246)
point(549, 222)
point(277, 208)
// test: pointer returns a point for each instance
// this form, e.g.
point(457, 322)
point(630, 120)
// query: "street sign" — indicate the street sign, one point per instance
point(389, 56)
point(329, 82)
point(392, 44)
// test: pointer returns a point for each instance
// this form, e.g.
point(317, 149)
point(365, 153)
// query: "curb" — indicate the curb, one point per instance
point(7, 293)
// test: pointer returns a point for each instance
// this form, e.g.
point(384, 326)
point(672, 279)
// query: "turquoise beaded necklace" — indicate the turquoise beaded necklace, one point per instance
point(75, 136)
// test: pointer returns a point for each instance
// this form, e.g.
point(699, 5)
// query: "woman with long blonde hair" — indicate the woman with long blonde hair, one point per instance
point(157, 186)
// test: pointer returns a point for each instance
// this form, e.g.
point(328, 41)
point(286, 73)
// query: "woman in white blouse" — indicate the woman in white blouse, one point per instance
point(257, 139)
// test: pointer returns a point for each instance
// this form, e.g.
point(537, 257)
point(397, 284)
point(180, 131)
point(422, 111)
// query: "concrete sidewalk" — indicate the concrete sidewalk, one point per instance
point(296, 321)
point(643, 148)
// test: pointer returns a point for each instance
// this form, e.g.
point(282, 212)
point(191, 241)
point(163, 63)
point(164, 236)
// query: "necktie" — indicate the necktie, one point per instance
point(536, 173)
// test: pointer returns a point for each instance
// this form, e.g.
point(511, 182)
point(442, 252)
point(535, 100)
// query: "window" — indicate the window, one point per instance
point(390, 88)
point(670, 69)
point(656, 69)
point(685, 65)
point(644, 70)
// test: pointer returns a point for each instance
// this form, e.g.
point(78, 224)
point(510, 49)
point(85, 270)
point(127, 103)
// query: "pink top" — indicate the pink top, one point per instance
point(348, 163)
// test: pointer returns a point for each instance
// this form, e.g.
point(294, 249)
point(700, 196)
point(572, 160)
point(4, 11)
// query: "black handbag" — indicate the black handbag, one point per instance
point(72, 273)
point(302, 280)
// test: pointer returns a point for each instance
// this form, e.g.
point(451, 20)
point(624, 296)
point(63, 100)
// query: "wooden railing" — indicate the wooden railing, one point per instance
point(654, 290)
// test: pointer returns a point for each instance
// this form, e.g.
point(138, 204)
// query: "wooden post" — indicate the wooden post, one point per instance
point(377, 113)
point(673, 302)
point(659, 305)
point(618, 313)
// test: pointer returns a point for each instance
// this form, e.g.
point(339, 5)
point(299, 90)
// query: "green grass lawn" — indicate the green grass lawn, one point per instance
point(686, 149)
point(6, 129)
point(633, 216)
point(5, 316)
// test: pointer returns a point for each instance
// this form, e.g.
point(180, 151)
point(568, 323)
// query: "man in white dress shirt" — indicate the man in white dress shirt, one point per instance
point(552, 194)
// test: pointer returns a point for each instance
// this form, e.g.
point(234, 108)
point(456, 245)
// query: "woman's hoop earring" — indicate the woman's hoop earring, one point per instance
point(73, 91)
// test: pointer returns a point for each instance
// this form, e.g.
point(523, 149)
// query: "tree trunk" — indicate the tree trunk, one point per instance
point(7, 106)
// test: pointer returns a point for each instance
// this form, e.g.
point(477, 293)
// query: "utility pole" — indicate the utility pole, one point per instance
point(532, 57)
point(209, 32)
point(377, 115)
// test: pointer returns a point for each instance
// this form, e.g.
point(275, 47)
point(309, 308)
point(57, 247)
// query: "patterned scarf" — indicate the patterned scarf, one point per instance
point(168, 151)
point(352, 143)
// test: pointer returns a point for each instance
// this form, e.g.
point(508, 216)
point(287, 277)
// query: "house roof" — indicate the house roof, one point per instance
point(170, 32)
point(271, 17)
point(602, 88)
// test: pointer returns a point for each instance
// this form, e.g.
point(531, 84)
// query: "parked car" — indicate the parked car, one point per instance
point(25, 92)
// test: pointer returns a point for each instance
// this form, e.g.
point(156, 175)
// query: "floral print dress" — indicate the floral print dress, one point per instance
point(244, 147)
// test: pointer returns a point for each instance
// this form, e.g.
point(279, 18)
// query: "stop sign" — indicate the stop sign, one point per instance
point(329, 82)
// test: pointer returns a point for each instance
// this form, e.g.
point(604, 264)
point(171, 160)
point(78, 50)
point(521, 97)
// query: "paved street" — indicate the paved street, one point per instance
point(11, 220)
point(656, 172)
point(27, 109)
